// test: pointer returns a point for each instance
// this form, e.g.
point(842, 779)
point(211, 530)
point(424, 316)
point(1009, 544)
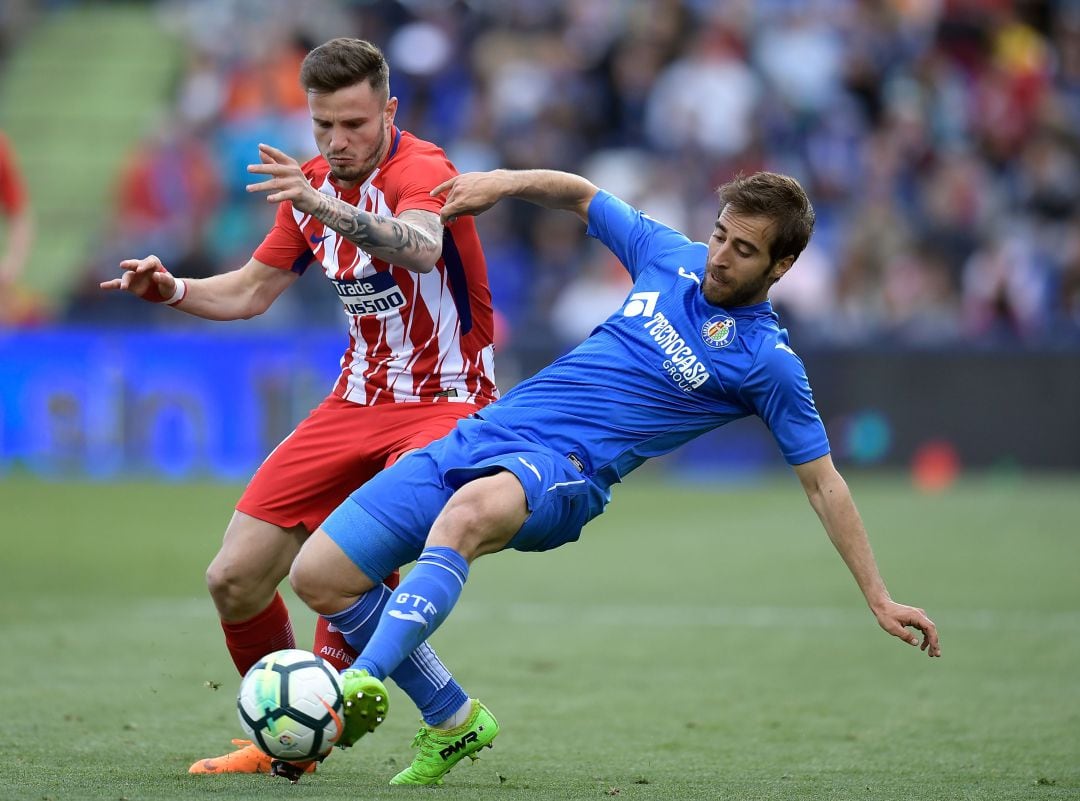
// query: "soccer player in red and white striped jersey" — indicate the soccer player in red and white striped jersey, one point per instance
point(418, 310)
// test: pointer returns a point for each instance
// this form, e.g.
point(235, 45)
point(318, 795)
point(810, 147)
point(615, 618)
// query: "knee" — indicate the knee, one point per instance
point(235, 589)
point(460, 516)
point(464, 525)
point(311, 586)
point(481, 517)
point(324, 578)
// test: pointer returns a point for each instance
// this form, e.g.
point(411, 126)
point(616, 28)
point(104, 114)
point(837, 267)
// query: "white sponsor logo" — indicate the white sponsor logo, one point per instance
point(412, 615)
point(416, 602)
point(641, 303)
point(377, 294)
point(684, 274)
point(531, 467)
point(685, 369)
point(336, 653)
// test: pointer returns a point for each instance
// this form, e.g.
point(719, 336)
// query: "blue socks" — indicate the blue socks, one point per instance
point(414, 610)
point(420, 674)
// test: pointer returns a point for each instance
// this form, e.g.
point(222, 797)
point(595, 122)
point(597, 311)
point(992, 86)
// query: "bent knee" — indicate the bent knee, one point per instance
point(240, 589)
point(462, 521)
point(324, 578)
point(476, 521)
point(253, 559)
point(302, 580)
point(310, 585)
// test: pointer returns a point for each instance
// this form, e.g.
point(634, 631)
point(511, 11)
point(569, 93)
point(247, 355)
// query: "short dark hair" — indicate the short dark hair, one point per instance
point(343, 62)
point(781, 199)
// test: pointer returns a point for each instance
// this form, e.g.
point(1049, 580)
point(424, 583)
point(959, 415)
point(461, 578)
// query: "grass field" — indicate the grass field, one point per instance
point(695, 645)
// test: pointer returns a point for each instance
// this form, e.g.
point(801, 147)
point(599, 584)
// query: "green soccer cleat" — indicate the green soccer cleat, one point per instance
point(366, 705)
point(441, 749)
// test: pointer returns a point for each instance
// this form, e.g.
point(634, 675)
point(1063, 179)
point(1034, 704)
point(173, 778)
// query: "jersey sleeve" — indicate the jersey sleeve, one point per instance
point(410, 183)
point(284, 246)
point(634, 237)
point(779, 392)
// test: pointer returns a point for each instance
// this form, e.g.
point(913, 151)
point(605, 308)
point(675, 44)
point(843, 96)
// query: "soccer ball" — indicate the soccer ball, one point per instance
point(291, 705)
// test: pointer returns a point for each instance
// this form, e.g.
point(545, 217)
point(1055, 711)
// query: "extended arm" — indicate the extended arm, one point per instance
point(412, 240)
point(828, 493)
point(476, 192)
point(236, 295)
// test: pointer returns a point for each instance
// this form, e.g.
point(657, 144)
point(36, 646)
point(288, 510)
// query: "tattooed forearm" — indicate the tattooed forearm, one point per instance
point(414, 241)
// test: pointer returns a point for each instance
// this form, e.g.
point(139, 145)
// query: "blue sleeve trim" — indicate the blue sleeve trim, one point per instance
point(302, 262)
point(459, 282)
point(394, 146)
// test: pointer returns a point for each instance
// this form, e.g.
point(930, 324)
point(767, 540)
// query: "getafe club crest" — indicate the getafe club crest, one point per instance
point(718, 332)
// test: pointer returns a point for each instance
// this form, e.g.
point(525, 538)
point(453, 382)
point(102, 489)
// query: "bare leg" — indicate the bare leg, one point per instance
point(325, 578)
point(254, 558)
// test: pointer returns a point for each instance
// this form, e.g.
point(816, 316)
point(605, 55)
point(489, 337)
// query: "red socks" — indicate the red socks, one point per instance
point(331, 645)
point(271, 630)
point(250, 640)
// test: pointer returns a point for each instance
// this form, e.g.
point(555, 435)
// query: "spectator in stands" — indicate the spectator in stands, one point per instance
point(912, 124)
point(18, 236)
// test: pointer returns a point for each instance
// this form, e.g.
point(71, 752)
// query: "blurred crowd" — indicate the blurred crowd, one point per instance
point(938, 139)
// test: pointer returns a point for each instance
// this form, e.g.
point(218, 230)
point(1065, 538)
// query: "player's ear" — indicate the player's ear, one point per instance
point(390, 110)
point(780, 268)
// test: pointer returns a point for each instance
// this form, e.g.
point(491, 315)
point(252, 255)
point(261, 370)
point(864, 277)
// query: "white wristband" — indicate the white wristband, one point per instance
point(178, 292)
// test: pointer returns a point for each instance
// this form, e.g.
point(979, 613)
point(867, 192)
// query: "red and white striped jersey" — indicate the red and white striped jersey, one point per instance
point(412, 336)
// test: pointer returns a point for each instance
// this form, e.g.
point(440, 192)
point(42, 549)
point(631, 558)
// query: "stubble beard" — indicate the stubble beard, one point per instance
point(728, 296)
point(349, 174)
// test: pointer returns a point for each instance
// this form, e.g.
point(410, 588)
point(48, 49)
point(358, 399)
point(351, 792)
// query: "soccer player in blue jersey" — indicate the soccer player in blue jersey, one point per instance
point(695, 345)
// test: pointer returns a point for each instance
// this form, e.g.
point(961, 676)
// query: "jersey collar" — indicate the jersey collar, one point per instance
point(756, 310)
point(396, 135)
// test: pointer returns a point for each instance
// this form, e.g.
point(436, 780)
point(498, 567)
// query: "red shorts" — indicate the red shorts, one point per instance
point(336, 448)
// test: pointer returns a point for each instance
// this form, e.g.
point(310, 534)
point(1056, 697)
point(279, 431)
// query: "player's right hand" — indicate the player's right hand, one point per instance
point(467, 194)
point(146, 278)
point(899, 619)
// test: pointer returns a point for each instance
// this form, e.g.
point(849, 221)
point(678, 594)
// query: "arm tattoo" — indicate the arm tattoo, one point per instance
point(415, 241)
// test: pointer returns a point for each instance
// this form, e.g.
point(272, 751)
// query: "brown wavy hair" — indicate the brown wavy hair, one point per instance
point(343, 62)
point(779, 198)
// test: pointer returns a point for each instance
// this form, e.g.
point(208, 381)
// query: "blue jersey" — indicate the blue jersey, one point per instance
point(665, 368)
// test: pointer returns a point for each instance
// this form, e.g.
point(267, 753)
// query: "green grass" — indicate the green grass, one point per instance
point(696, 644)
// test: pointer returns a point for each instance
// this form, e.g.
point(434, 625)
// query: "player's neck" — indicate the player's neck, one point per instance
point(388, 141)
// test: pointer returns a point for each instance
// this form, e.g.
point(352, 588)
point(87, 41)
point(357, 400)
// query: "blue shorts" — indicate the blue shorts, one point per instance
point(399, 505)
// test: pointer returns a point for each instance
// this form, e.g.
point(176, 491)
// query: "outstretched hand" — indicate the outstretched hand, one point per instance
point(145, 277)
point(899, 619)
point(469, 194)
point(286, 182)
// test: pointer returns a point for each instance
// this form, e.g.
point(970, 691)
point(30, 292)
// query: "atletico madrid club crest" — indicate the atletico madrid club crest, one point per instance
point(718, 332)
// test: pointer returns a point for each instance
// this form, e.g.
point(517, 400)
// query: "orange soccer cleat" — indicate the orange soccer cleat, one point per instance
point(248, 758)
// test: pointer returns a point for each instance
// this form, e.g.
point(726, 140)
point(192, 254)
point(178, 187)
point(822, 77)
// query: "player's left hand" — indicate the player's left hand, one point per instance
point(287, 180)
point(896, 618)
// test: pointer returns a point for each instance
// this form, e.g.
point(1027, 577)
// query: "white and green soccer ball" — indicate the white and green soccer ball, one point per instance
point(291, 705)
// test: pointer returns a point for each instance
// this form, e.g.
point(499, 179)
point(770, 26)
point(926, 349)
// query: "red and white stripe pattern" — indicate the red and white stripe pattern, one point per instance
point(415, 352)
